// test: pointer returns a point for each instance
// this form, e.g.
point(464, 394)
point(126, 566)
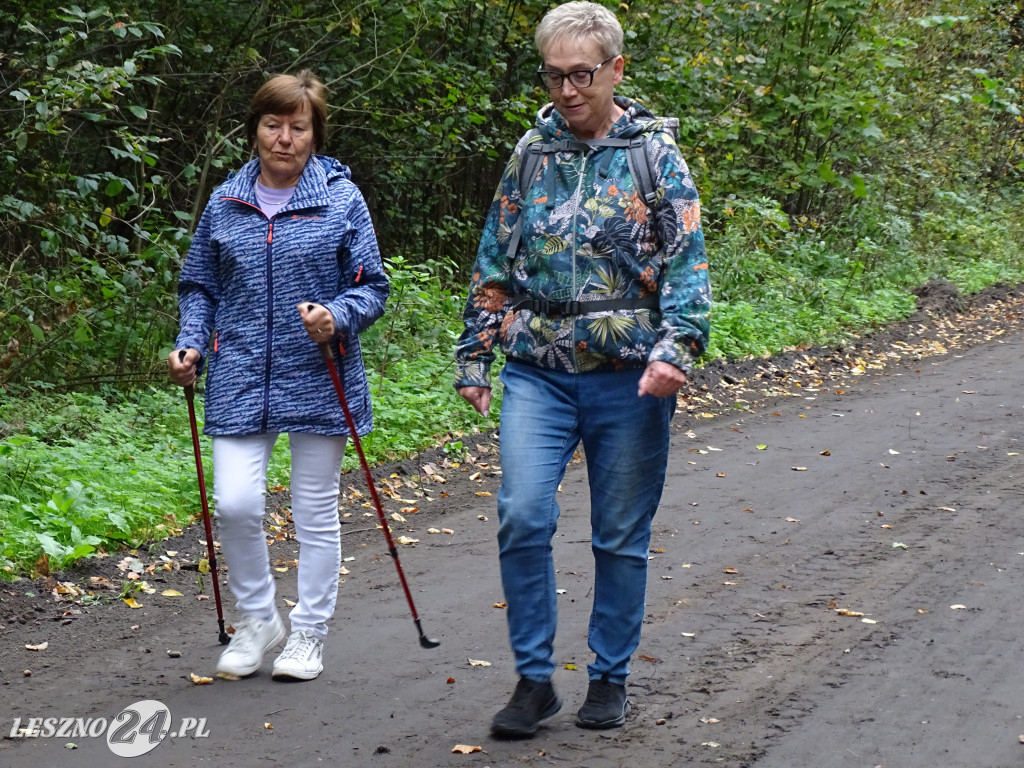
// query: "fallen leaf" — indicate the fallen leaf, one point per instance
point(449, 531)
point(571, 667)
point(899, 545)
point(196, 679)
point(433, 530)
point(465, 749)
point(799, 469)
point(761, 446)
point(689, 634)
point(483, 493)
point(710, 720)
point(131, 602)
point(171, 593)
point(41, 647)
point(500, 605)
point(397, 517)
point(710, 744)
point(268, 726)
point(407, 540)
point(450, 681)
point(282, 570)
point(343, 571)
point(647, 658)
point(947, 509)
point(869, 621)
point(825, 453)
point(729, 569)
point(289, 603)
point(958, 607)
point(478, 663)
point(720, 474)
point(792, 520)
point(894, 453)
point(848, 612)
point(204, 566)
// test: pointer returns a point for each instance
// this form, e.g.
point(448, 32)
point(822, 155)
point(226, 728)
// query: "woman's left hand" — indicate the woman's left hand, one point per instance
point(318, 321)
point(661, 379)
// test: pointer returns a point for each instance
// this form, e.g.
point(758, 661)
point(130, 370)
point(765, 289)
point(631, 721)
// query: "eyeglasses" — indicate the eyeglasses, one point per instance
point(580, 78)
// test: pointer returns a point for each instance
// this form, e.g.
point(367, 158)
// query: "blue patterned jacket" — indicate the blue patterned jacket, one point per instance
point(238, 291)
point(587, 235)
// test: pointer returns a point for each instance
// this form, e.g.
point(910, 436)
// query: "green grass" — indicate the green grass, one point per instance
point(79, 474)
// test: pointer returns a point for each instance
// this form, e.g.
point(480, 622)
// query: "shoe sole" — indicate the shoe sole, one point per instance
point(279, 674)
point(235, 673)
point(523, 733)
point(595, 725)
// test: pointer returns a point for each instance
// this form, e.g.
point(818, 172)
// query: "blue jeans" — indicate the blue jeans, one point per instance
point(544, 417)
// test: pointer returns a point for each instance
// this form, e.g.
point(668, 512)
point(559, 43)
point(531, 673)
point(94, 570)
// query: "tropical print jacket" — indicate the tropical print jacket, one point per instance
point(588, 235)
point(239, 288)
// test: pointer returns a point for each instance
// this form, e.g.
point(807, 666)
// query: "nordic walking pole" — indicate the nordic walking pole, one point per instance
point(328, 356)
point(211, 554)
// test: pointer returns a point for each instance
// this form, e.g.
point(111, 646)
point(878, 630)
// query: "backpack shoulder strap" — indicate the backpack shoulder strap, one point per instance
point(639, 160)
point(529, 161)
point(638, 155)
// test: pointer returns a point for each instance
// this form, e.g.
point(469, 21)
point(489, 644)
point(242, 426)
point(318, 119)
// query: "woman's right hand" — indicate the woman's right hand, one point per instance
point(181, 365)
point(478, 397)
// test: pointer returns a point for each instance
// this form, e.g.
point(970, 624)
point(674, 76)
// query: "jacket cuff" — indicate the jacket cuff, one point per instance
point(673, 353)
point(472, 373)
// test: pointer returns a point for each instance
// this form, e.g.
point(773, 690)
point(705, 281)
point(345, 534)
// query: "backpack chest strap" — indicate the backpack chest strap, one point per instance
point(551, 308)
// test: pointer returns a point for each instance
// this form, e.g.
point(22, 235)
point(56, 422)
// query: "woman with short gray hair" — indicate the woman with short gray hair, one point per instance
point(592, 276)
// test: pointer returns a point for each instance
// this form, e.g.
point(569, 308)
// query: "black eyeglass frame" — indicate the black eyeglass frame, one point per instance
point(543, 75)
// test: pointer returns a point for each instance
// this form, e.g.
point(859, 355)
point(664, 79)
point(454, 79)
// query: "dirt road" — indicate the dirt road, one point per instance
point(882, 481)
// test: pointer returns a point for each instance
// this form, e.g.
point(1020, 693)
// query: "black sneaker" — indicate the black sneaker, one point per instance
point(531, 702)
point(606, 705)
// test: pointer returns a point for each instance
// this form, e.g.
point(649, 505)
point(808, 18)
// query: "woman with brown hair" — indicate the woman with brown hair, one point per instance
point(284, 258)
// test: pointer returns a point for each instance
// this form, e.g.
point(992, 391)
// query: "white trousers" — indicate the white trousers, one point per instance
point(239, 494)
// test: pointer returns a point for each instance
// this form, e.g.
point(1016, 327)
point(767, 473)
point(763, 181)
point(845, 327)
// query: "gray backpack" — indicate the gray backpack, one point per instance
point(639, 160)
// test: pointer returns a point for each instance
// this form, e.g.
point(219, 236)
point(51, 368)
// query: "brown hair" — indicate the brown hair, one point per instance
point(286, 95)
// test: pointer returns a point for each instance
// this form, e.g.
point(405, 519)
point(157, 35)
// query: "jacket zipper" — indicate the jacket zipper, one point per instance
point(575, 217)
point(270, 327)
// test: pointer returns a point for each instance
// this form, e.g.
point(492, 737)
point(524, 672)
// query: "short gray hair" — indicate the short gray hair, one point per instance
point(580, 21)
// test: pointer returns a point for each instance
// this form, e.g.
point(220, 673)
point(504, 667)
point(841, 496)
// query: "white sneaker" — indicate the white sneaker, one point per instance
point(302, 657)
point(253, 637)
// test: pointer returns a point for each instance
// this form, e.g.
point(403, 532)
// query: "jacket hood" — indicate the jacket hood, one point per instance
point(636, 120)
point(312, 189)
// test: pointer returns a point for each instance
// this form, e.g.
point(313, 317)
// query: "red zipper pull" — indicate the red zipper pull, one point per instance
point(359, 274)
